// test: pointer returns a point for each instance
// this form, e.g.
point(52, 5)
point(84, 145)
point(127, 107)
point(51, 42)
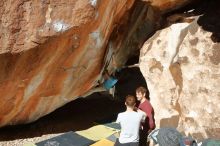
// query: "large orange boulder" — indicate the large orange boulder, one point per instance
point(52, 52)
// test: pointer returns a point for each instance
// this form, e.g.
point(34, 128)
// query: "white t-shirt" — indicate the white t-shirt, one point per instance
point(130, 122)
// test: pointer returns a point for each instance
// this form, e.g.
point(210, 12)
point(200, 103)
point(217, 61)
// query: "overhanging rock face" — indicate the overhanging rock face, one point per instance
point(52, 52)
point(167, 5)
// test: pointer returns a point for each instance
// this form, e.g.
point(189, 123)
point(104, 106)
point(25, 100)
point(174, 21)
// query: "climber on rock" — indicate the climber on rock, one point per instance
point(107, 85)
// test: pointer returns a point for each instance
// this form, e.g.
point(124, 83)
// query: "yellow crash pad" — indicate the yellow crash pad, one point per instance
point(103, 142)
point(98, 132)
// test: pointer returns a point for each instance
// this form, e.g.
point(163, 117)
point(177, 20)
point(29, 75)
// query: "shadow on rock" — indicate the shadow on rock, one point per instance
point(209, 21)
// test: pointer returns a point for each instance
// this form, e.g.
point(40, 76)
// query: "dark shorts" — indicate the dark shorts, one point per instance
point(143, 138)
point(117, 143)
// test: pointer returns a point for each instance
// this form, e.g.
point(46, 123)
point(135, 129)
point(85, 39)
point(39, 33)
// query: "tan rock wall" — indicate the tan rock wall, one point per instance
point(181, 66)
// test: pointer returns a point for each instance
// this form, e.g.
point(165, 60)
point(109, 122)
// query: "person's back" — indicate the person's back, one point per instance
point(130, 125)
point(130, 122)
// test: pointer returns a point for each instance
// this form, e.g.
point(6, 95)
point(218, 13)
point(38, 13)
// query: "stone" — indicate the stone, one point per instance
point(181, 66)
point(52, 52)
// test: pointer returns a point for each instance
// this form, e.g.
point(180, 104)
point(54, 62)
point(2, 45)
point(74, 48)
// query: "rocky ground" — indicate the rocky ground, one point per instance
point(22, 142)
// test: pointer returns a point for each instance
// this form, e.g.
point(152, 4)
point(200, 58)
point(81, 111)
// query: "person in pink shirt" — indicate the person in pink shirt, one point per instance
point(146, 107)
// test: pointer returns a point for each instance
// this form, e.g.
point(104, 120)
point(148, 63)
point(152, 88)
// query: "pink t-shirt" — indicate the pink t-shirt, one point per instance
point(148, 109)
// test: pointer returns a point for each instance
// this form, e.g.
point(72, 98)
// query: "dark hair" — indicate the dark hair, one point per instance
point(130, 100)
point(141, 89)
